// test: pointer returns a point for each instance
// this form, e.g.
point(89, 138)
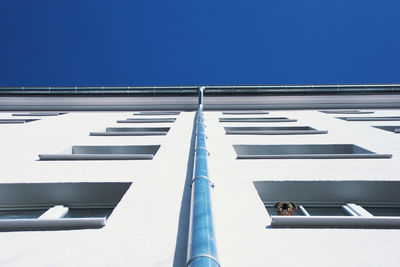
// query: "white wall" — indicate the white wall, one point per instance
point(148, 226)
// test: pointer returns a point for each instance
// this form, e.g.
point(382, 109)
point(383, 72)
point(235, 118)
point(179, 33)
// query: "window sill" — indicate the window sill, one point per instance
point(144, 133)
point(315, 156)
point(335, 222)
point(276, 132)
point(96, 156)
point(51, 224)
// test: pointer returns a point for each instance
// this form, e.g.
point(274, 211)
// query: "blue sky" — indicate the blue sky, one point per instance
point(187, 42)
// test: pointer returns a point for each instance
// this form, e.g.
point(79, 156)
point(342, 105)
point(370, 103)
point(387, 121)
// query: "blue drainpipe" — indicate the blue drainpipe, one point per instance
point(202, 249)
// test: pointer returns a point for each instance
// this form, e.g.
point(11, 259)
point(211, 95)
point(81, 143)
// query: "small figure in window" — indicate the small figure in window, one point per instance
point(285, 208)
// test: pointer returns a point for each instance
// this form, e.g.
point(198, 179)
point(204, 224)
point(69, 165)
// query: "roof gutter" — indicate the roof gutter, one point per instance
point(213, 90)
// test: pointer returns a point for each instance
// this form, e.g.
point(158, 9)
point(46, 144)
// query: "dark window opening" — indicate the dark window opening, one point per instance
point(157, 113)
point(256, 119)
point(152, 120)
point(16, 121)
point(394, 129)
point(346, 112)
point(249, 112)
point(315, 151)
point(273, 130)
point(39, 114)
point(131, 131)
point(138, 152)
point(388, 118)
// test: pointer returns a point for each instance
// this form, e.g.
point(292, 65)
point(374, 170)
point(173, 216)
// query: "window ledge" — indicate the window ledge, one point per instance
point(283, 132)
point(143, 133)
point(335, 222)
point(51, 224)
point(95, 156)
point(315, 156)
point(161, 120)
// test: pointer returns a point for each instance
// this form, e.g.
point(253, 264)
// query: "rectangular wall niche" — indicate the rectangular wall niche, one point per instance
point(58, 206)
point(157, 113)
point(333, 204)
point(323, 151)
point(131, 131)
point(346, 112)
point(273, 130)
point(16, 121)
point(104, 153)
point(394, 129)
point(257, 119)
point(244, 112)
point(388, 118)
point(39, 114)
point(150, 120)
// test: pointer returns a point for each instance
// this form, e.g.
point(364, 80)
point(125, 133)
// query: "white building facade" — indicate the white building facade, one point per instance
point(98, 180)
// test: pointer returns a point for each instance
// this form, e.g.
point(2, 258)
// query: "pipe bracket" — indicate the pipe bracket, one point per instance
point(203, 256)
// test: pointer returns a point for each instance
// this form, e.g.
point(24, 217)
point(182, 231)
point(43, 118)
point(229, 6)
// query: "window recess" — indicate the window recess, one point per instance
point(39, 114)
point(131, 131)
point(393, 129)
point(150, 120)
point(244, 112)
point(314, 151)
point(137, 152)
point(16, 121)
point(257, 119)
point(388, 118)
point(157, 113)
point(273, 130)
point(58, 206)
point(333, 204)
point(346, 112)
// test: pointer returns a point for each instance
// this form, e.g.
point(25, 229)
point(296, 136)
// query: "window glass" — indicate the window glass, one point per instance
point(380, 211)
point(21, 214)
point(88, 213)
point(326, 211)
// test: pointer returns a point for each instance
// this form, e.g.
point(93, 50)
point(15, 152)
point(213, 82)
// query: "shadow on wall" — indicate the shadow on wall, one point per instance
point(180, 255)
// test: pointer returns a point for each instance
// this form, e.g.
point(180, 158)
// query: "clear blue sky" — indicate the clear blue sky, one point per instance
point(187, 42)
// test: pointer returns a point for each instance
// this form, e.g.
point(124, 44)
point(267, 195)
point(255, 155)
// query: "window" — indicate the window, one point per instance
point(87, 212)
point(273, 130)
point(126, 131)
point(104, 153)
point(314, 209)
point(21, 213)
point(244, 112)
point(389, 118)
point(16, 121)
point(394, 129)
point(383, 211)
point(313, 151)
point(152, 120)
point(257, 119)
point(333, 204)
point(157, 113)
point(58, 206)
point(40, 114)
point(346, 112)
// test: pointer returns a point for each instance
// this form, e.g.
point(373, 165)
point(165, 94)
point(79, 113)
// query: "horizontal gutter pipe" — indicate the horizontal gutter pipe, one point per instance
point(223, 90)
point(202, 250)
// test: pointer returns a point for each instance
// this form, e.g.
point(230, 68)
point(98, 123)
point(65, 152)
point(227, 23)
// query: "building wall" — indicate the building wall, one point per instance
point(149, 226)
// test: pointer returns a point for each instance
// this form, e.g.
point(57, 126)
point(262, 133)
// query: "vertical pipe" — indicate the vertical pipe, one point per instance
point(202, 248)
